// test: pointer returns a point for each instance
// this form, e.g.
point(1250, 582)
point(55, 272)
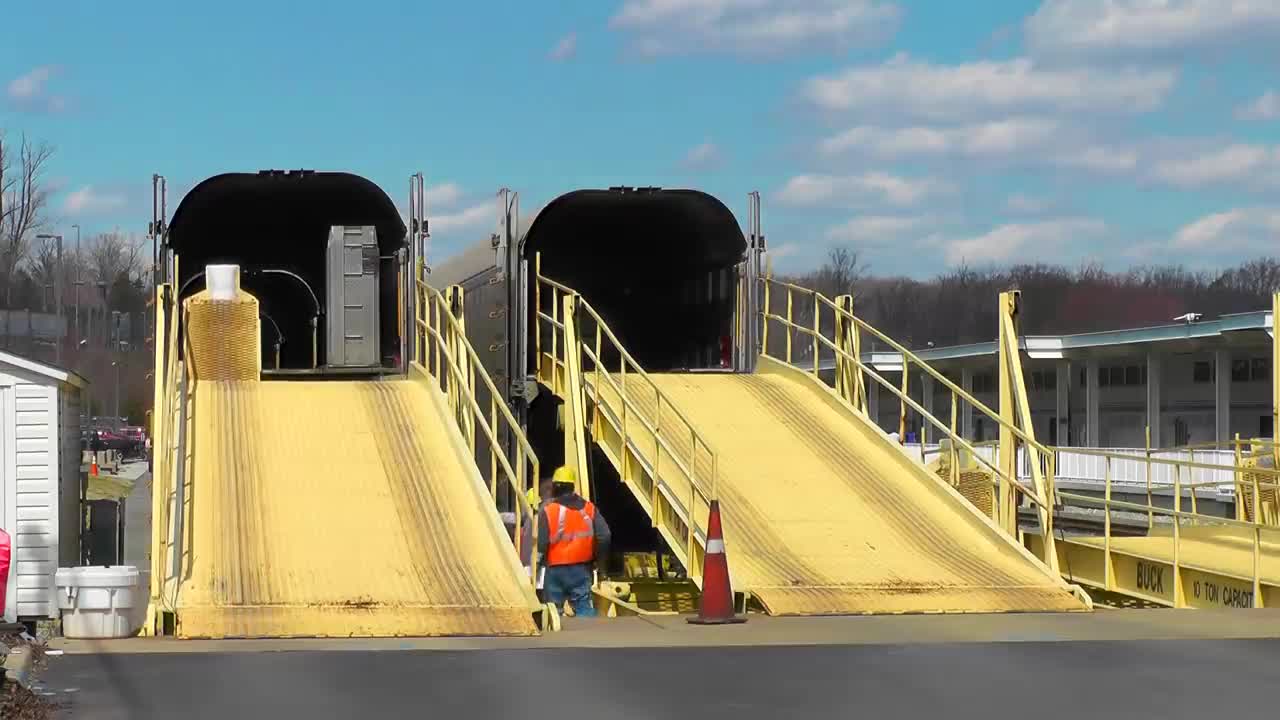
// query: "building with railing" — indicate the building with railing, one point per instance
point(1192, 383)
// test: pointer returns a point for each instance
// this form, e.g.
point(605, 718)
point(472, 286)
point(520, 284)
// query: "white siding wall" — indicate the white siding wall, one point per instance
point(31, 457)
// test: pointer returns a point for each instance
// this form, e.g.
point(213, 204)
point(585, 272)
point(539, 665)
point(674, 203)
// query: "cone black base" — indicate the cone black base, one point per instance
point(734, 620)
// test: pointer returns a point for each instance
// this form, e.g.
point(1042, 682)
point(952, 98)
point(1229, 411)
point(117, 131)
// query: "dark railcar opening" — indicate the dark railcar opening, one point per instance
point(279, 221)
point(660, 266)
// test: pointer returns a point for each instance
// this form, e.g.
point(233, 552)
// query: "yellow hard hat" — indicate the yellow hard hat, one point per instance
point(565, 475)
point(533, 497)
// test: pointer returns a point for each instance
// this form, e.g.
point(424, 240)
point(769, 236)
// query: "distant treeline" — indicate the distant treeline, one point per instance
point(959, 306)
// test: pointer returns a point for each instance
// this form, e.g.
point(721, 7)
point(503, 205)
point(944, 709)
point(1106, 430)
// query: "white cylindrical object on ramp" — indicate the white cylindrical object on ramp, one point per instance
point(222, 281)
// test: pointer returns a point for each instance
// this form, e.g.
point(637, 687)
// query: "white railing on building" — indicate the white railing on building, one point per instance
point(1128, 474)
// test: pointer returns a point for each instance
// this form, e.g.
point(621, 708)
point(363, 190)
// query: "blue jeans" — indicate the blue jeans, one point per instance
point(573, 582)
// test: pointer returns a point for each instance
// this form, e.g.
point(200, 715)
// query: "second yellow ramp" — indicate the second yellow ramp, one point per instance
point(821, 516)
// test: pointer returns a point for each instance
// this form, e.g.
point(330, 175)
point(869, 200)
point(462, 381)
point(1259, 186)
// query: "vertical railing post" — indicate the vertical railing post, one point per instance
point(790, 325)
point(902, 401)
point(764, 315)
point(817, 332)
point(1179, 600)
point(1109, 568)
point(1151, 509)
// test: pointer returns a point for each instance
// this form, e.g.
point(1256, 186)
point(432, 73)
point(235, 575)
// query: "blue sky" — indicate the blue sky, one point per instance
point(924, 134)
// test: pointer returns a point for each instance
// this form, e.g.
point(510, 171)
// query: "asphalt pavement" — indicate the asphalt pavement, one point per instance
point(1070, 680)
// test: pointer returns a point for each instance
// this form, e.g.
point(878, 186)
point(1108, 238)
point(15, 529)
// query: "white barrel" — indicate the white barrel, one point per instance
point(99, 602)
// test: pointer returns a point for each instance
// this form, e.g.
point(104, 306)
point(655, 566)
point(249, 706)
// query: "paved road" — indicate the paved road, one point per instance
point(1070, 680)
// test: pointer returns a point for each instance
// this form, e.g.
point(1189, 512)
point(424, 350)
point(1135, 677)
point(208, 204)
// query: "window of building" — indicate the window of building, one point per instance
point(1044, 380)
point(1122, 375)
point(1202, 372)
point(1240, 370)
point(1260, 371)
point(984, 383)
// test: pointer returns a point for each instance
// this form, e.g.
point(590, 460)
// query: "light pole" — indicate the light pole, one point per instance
point(115, 419)
point(78, 281)
point(57, 293)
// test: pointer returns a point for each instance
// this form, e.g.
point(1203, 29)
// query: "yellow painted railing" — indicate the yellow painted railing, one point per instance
point(639, 411)
point(441, 350)
point(1176, 517)
point(845, 330)
point(167, 416)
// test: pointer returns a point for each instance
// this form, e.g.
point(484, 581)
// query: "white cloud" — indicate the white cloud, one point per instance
point(904, 86)
point(872, 187)
point(1099, 159)
point(754, 27)
point(466, 219)
point(1001, 137)
point(1019, 140)
point(1140, 27)
point(876, 229)
point(444, 195)
point(566, 48)
point(1026, 240)
point(30, 85)
point(1026, 204)
point(29, 91)
point(1266, 107)
point(90, 201)
point(1238, 229)
point(706, 156)
point(1238, 163)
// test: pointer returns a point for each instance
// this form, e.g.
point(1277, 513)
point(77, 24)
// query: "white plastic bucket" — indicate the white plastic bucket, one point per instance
point(222, 281)
point(99, 602)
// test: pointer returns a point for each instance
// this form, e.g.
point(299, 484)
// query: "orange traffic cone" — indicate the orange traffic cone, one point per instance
point(93, 468)
point(716, 607)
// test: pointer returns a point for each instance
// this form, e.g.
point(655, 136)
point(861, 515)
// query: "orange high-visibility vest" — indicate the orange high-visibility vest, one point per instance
point(572, 537)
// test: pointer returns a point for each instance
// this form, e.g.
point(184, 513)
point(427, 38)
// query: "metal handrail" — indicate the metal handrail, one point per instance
point(592, 348)
point(918, 408)
point(907, 356)
point(441, 336)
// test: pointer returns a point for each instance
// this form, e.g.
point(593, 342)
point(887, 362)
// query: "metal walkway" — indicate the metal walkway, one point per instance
point(1207, 566)
point(326, 509)
point(823, 514)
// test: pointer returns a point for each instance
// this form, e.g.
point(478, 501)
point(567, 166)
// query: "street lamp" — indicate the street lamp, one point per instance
point(57, 290)
point(78, 281)
point(116, 417)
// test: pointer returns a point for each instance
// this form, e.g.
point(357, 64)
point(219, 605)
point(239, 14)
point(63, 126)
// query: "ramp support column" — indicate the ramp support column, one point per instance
point(848, 372)
point(1015, 412)
point(575, 415)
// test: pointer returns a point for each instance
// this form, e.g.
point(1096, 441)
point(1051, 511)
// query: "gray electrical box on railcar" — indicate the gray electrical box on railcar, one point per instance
point(352, 321)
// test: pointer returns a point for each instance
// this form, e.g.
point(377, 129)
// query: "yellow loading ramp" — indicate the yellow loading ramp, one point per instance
point(329, 508)
point(823, 514)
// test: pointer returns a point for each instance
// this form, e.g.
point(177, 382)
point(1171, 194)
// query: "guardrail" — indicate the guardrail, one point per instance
point(442, 352)
point(572, 326)
point(851, 377)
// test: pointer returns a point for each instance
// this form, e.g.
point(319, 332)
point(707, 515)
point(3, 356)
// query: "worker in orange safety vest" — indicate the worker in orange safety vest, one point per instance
point(572, 537)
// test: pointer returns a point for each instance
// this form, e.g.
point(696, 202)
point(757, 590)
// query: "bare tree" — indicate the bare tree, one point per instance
point(112, 258)
point(840, 274)
point(22, 202)
point(44, 268)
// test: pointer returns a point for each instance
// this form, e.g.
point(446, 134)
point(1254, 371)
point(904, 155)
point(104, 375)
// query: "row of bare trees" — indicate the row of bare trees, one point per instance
point(959, 306)
point(95, 282)
point(33, 263)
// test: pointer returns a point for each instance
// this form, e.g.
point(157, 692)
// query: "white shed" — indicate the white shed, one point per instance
point(39, 479)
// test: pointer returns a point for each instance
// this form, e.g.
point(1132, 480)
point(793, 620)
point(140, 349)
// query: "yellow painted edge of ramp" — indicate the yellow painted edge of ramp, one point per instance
point(340, 509)
point(768, 365)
